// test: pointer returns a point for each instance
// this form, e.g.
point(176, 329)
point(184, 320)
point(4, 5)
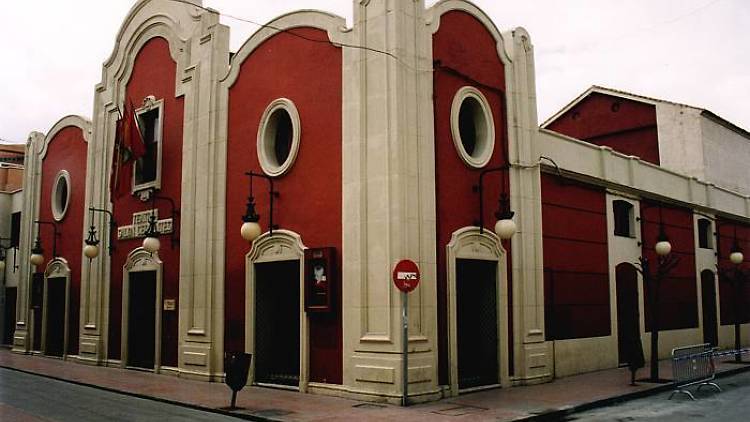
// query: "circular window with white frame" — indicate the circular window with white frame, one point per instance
point(278, 137)
point(60, 195)
point(472, 127)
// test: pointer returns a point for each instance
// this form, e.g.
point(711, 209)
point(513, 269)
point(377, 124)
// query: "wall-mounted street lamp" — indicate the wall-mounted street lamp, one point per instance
point(665, 264)
point(735, 254)
point(37, 253)
point(505, 227)
point(91, 250)
point(662, 246)
point(151, 242)
point(250, 229)
point(2, 253)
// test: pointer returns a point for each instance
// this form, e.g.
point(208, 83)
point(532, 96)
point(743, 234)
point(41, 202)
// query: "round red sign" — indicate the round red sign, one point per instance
point(406, 275)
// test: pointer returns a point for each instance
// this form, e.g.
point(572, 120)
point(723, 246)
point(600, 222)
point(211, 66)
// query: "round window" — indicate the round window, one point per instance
point(472, 127)
point(60, 195)
point(278, 137)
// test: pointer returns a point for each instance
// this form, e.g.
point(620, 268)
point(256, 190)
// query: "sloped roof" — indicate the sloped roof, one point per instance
point(643, 99)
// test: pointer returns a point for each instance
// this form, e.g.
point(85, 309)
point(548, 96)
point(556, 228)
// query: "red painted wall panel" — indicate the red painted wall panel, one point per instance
point(310, 202)
point(66, 151)
point(678, 300)
point(576, 275)
point(465, 53)
point(624, 125)
point(733, 296)
point(154, 73)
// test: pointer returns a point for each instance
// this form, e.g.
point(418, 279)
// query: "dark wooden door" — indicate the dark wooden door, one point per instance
point(55, 310)
point(277, 323)
point(142, 319)
point(10, 315)
point(708, 294)
point(476, 323)
point(628, 317)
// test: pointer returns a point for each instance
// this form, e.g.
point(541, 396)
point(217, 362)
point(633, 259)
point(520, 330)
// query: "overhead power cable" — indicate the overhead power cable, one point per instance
point(301, 36)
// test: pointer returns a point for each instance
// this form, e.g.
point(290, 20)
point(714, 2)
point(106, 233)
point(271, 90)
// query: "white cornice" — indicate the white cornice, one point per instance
point(332, 24)
point(609, 168)
point(72, 120)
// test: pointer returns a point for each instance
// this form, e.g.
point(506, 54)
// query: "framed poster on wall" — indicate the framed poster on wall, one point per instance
point(319, 279)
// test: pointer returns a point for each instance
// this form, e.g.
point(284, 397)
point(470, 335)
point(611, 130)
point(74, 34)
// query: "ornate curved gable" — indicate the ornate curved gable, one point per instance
point(284, 245)
point(57, 267)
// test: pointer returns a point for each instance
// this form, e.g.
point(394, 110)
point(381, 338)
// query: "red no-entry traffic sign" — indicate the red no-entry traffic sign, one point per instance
point(406, 275)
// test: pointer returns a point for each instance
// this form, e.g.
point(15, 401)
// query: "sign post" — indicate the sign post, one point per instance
point(406, 279)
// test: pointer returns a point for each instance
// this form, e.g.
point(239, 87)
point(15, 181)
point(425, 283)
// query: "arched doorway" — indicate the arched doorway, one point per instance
point(55, 308)
point(628, 315)
point(477, 289)
point(276, 326)
point(141, 311)
point(708, 299)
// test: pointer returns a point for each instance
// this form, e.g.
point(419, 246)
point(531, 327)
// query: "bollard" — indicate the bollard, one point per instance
point(236, 367)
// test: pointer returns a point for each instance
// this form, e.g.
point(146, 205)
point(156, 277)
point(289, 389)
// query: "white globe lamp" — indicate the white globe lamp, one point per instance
point(91, 251)
point(250, 230)
point(505, 228)
point(736, 257)
point(36, 258)
point(663, 247)
point(151, 244)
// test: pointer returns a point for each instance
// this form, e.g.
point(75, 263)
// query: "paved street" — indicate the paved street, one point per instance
point(730, 405)
point(25, 397)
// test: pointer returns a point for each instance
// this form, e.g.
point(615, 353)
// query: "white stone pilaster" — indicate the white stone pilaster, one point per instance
point(532, 354)
point(201, 315)
point(24, 334)
point(389, 198)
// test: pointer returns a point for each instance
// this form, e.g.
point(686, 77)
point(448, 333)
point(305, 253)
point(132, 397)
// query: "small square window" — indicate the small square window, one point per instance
point(623, 217)
point(147, 172)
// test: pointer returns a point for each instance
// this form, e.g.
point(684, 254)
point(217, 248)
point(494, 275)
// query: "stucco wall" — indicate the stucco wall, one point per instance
point(464, 52)
point(726, 154)
point(622, 124)
point(66, 151)
point(680, 139)
point(310, 201)
point(153, 74)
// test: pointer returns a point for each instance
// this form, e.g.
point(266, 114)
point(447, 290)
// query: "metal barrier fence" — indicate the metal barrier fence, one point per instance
point(693, 365)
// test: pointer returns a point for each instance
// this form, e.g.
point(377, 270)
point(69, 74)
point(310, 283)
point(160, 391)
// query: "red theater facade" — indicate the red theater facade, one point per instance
point(338, 162)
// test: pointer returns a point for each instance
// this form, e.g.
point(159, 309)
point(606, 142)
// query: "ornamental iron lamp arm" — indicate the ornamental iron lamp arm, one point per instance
point(38, 244)
point(251, 216)
point(504, 213)
point(152, 231)
point(92, 240)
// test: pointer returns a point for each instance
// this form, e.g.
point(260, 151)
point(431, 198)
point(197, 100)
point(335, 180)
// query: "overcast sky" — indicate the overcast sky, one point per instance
point(689, 51)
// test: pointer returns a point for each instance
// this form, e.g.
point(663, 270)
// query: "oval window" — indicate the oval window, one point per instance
point(472, 127)
point(278, 137)
point(60, 195)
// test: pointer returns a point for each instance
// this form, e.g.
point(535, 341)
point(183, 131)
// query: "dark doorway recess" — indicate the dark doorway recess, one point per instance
point(476, 323)
point(708, 295)
point(277, 323)
point(55, 335)
point(10, 315)
point(37, 299)
point(142, 319)
point(628, 318)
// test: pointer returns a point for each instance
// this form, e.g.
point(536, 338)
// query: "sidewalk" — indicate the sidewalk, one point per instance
point(550, 399)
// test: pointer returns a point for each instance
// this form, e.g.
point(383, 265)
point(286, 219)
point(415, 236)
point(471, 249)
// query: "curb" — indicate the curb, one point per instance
point(561, 413)
point(549, 415)
point(243, 416)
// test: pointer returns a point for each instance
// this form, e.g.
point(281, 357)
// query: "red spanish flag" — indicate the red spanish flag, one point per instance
point(129, 147)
